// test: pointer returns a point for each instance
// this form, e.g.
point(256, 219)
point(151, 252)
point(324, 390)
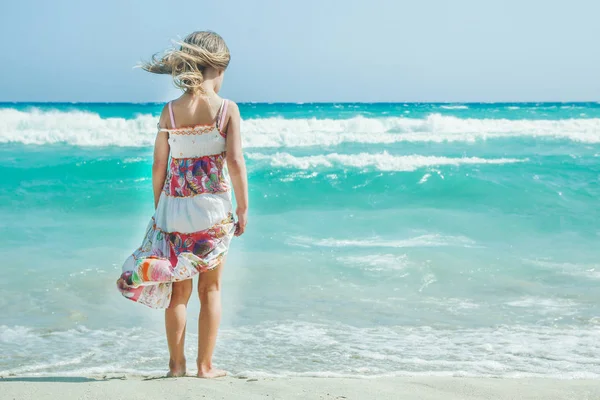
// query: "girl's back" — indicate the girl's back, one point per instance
point(194, 129)
point(196, 111)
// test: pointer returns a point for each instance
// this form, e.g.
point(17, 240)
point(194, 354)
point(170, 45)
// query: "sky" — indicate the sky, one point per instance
point(309, 50)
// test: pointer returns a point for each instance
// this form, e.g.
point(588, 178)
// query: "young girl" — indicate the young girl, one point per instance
point(192, 226)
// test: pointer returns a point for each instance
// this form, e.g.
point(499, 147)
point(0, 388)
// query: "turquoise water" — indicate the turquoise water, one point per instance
point(383, 239)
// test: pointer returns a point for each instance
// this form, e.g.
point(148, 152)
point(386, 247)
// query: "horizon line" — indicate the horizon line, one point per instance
point(319, 102)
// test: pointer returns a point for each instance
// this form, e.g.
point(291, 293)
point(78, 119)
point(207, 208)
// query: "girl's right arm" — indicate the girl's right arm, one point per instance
point(161, 158)
point(237, 167)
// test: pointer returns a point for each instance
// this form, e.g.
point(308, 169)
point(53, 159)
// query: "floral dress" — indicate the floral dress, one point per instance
point(193, 223)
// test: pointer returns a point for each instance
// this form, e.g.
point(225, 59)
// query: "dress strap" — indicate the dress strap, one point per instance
point(222, 115)
point(171, 115)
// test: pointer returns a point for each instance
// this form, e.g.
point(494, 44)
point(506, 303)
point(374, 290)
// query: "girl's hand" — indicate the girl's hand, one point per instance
point(240, 225)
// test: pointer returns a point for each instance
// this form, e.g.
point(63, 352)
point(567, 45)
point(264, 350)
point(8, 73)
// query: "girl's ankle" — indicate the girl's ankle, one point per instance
point(204, 367)
point(179, 364)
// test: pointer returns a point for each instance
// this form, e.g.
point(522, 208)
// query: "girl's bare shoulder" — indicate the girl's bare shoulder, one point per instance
point(233, 111)
point(164, 120)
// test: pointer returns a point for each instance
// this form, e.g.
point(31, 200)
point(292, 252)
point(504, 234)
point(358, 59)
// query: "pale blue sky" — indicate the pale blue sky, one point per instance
point(352, 50)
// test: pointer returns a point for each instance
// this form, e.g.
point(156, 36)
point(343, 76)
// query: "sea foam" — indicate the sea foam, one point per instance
point(83, 128)
point(522, 351)
point(429, 240)
point(380, 161)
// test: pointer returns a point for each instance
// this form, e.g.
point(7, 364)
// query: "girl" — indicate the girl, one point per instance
point(192, 226)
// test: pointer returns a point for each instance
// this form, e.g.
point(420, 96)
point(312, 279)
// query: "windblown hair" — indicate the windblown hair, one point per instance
point(197, 52)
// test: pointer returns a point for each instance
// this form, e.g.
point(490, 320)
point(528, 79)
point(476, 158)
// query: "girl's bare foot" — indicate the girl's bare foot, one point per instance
point(176, 371)
point(211, 373)
point(175, 374)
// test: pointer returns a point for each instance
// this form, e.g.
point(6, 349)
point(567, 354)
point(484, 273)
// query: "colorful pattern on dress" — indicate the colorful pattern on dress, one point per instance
point(148, 273)
point(192, 176)
point(199, 243)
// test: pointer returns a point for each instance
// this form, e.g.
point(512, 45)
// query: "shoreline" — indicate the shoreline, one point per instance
point(120, 386)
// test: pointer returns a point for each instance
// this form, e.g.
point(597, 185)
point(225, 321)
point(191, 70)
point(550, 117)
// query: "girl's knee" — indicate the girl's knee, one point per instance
point(209, 283)
point(207, 289)
point(182, 292)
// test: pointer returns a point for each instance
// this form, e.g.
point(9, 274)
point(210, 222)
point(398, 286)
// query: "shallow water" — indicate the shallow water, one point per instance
point(384, 239)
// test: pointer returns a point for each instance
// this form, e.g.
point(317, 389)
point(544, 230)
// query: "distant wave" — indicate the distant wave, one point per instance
point(381, 161)
point(83, 128)
point(455, 107)
point(279, 132)
point(78, 128)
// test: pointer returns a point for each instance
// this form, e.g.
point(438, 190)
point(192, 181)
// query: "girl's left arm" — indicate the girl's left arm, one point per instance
point(161, 158)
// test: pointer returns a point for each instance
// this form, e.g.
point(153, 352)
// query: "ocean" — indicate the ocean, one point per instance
point(383, 239)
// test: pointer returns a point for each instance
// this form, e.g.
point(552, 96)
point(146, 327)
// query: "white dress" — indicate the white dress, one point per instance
point(193, 223)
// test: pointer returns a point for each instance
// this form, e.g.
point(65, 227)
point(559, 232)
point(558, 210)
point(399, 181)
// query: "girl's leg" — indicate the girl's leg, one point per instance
point(175, 320)
point(209, 290)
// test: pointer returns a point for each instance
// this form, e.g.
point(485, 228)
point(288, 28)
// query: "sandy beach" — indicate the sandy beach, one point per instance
point(433, 388)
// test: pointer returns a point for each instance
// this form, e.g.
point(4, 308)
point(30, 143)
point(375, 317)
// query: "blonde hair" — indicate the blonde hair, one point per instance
point(198, 51)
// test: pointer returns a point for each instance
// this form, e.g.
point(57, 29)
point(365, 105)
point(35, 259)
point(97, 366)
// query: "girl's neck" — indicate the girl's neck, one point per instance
point(206, 94)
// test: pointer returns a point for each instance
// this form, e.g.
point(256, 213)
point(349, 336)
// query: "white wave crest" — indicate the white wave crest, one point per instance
point(279, 132)
point(79, 128)
point(83, 128)
point(381, 161)
point(455, 107)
